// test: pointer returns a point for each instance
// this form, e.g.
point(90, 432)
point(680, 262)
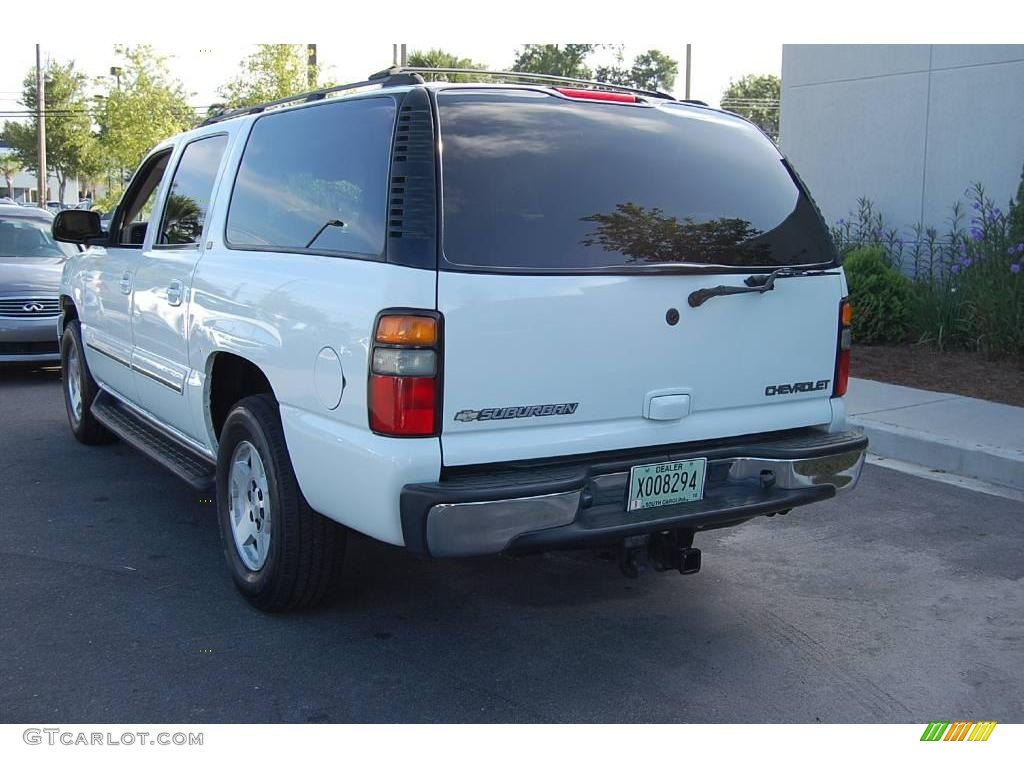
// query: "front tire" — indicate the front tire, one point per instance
point(80, 389)
point(282, 554)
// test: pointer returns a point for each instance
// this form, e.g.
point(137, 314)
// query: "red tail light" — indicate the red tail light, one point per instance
point(403, 405)
point(404, 393)
point(842, 374)
point(595, 95)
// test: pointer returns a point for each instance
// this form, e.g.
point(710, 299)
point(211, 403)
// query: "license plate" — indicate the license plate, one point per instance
point(672, 482)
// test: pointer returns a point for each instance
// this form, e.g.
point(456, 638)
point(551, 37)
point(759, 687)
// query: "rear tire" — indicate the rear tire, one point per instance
point(282, 554)
point(80, 389)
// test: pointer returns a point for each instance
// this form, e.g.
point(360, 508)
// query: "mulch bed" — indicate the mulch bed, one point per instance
point(955, 371)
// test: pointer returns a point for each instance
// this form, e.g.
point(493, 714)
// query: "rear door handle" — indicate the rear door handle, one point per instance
point(174, 293)
point(667, 404)
point(126, 283)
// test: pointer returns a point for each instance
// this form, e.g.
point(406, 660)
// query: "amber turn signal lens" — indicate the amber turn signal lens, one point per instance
point(414, 330)
point(847, 317)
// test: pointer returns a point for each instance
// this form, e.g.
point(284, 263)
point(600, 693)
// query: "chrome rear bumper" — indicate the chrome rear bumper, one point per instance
point(564, 505)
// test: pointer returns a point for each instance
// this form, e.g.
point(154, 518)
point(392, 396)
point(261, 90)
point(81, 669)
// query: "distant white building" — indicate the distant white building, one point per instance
point(24, 185)
point(908, 126)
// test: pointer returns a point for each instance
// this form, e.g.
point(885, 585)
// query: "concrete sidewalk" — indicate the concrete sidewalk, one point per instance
point(960, 435)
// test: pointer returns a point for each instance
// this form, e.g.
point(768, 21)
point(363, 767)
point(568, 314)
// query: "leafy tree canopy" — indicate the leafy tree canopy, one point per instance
point(651, 71)
point(566, 60)
point(274, 71)
point(649, 236)
point(755, 97)
point(69, 137)
point(10, 166)
point(148, 107)
point(437, 57)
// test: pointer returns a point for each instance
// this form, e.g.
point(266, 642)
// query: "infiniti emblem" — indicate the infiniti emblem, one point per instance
point(33, 306)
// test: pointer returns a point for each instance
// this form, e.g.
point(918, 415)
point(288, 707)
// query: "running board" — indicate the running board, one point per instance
point(192, 467)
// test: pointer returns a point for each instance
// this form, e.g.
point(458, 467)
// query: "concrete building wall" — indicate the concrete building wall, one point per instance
point(908, 126)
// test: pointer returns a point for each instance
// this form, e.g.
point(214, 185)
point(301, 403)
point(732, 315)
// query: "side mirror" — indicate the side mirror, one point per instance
point(79, 227)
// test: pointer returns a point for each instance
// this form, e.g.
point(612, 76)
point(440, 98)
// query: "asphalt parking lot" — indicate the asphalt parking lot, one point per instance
point(903, 602)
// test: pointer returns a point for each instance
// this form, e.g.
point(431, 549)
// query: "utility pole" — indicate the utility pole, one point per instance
point(687, 96)
point(394, 54)
point(116, 72)
point(405, 59)
point(311, 64)
point(41, 174)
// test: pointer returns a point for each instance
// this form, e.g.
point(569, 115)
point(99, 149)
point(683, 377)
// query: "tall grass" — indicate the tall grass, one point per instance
point(968, 281)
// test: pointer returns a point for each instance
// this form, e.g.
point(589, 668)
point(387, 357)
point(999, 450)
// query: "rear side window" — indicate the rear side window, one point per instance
point(534, 181)
point(315, 180)
point(191, 188)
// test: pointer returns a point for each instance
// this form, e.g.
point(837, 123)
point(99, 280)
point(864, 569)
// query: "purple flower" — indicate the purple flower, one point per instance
point(976, 234)
point(1015, 268)
point(955, 269)
point(841, 223)
point(976, 206)
point(1020, 247)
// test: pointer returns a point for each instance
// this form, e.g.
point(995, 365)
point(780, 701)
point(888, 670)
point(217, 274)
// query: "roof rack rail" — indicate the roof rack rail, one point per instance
point(379, 79)
point(414, 76)
point(523, 76)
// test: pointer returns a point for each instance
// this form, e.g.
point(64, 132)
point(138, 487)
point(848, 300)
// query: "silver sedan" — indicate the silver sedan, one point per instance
point(30, 268)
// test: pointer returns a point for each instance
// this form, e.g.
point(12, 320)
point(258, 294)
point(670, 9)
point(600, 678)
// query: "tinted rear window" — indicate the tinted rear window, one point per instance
point(534, 181)
point(315, 179)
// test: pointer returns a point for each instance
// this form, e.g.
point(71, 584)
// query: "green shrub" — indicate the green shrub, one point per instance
point(968, 282)
point(882, 298)
point(107, 203)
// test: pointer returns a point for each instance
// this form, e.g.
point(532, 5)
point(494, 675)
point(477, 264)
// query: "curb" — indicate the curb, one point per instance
point(983, 462)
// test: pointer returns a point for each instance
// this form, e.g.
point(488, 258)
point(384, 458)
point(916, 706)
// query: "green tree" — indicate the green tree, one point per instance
point(69, 136)
point(95, 169)
point(566, 60)
point(649, 236)
point(10, 166)
point(651, 71)
point(436, 57)
point(148, 107)
point(274, 71)
point(183, 219)
point(755, 97)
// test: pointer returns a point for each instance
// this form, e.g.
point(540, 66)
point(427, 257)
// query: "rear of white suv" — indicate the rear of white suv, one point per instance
point(466, 319)
point(643, 327)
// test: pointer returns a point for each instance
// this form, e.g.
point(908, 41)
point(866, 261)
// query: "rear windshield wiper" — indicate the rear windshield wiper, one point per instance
point(754, 284)
point(328, 223)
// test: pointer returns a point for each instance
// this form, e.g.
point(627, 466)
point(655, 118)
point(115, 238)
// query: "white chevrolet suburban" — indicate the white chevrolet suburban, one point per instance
point(465, 318)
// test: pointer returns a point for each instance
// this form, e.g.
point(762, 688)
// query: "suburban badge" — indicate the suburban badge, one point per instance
point(518, 412)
